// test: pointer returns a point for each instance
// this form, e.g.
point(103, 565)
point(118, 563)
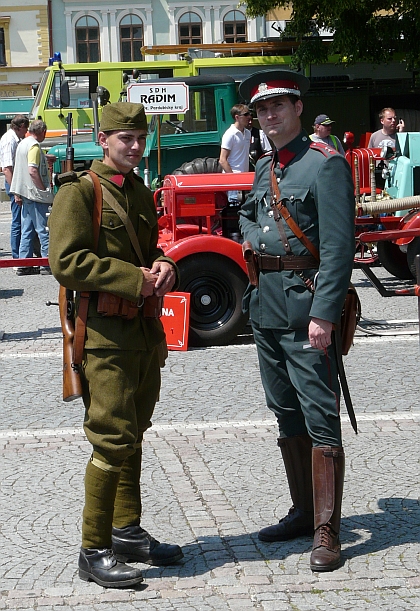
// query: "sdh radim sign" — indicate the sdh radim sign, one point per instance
point(160, 99)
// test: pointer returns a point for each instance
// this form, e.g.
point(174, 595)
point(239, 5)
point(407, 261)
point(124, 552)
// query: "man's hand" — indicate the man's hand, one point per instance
point(149, 282)
point(320, 333)
point(18, 200)
point(166, 277)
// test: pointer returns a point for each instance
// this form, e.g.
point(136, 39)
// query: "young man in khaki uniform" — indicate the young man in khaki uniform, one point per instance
point(121, 366)
point(296, 304)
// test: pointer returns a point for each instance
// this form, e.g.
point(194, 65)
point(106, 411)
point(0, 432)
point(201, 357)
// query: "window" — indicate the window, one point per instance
point(5, 59)
point(81, 86)
point(131, 37)
point(87, 40)
point(2, 48)
point(190, 29)
point(234, 27)
point(201, 116)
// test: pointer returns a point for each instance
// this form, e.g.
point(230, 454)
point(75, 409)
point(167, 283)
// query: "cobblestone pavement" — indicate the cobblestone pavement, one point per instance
point(212, 473)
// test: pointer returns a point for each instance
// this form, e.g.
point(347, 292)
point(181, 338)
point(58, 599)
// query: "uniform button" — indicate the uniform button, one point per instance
point(271, 213)
point(262, 246)
point(292, 198)
point(111, 223)
point(304, 139)
point(278, 179)
point(266, 228)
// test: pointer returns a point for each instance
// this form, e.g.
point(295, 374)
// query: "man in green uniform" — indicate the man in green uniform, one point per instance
point(121, 364)
point(296, 304)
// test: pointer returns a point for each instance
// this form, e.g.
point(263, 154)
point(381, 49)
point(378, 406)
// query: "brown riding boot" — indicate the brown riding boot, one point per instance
point(299, 522)
point(328, 481)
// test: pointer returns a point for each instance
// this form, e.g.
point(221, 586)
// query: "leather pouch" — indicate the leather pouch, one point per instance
point(349, 319)
point(152, 307)
point(112, 305)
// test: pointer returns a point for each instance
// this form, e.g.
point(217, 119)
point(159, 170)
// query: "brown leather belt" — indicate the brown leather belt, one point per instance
point(287, 262)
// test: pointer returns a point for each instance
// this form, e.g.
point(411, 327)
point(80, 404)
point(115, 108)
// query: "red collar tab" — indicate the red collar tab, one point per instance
point(285, 156)
point(118, 179)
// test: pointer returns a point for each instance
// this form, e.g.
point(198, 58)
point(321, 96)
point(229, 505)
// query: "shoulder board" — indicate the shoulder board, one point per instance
point(325, 149)
point(267, 154)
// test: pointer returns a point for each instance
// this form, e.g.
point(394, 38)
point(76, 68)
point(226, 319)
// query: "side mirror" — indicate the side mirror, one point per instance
point(64, 94)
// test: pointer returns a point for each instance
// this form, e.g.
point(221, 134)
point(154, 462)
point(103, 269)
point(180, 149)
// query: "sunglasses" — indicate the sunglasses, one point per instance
point(245, 114)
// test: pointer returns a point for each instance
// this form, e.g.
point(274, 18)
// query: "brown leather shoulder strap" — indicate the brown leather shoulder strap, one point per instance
point(82, 310)
point(97, 207)
point(288, 217)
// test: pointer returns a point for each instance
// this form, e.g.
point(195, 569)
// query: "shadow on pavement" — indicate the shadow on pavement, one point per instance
point(398, 523)
point(9, 293)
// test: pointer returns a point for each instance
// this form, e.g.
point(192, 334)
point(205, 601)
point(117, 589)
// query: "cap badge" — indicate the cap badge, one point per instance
point(262, 87)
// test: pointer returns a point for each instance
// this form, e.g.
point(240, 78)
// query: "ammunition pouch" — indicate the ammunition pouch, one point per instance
point(152, 307)
point(112, 305)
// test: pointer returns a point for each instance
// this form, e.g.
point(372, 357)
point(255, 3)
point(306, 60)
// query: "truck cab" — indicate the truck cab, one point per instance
point(172, 139)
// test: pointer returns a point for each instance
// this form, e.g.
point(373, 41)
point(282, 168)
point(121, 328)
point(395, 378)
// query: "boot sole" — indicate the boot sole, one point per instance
point(134, 558)
point(327, 568)
point(279, 538)
point(85, 576)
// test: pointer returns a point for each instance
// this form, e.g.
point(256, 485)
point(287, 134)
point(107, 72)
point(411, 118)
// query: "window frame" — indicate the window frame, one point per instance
point(5, 25)
point(86, 40)
point(182, 40)
point(243, 37)
point(131, 40)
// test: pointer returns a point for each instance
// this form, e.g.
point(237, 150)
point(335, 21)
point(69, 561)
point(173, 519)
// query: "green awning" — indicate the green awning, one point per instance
point(9, 107)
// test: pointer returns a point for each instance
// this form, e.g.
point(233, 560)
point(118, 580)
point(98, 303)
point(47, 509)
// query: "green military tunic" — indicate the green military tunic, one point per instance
point(301, 382)
point(121, 372)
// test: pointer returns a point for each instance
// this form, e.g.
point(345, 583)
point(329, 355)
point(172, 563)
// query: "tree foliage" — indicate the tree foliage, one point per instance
point(362, 30)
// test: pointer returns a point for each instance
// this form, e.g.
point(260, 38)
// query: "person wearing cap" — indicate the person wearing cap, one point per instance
point(122, 356)
point(322, 133)
point(296, 304)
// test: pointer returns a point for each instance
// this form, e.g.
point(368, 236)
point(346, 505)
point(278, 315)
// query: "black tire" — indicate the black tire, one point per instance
point(413, 250)
point(216, 285)
point(394, 260)
point(200, 165)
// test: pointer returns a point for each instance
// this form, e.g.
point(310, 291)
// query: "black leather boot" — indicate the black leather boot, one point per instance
point(101, 566)
point(328, 481)
point(299, 522)
point(134, 544)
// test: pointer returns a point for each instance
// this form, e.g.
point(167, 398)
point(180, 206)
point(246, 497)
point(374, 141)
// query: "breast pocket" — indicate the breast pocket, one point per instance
point(301, 205)
point(114, 237)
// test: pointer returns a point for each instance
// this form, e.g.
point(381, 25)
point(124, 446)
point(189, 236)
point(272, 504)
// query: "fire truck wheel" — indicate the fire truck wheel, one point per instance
point(394, 260)
point(216, 285)
point(413, 250)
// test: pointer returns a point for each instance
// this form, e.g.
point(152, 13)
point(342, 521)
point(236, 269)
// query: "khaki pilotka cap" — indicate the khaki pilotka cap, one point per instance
point(123, 116)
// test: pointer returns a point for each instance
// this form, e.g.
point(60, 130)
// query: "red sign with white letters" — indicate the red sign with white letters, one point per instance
point(175, 319)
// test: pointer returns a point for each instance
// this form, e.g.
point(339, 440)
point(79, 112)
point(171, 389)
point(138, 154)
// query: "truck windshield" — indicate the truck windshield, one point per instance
point(34, 110)
point(201, 116)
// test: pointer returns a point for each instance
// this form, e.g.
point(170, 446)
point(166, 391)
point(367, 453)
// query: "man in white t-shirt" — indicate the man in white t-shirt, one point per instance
point(234, 153)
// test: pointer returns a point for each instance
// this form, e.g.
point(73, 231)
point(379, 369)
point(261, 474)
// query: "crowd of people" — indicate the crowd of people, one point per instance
point(28, 184)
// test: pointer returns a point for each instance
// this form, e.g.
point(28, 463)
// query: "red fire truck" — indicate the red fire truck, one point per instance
point(199, 230)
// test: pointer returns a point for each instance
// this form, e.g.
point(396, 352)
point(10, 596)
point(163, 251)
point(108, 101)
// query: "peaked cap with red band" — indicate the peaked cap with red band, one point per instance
point(270, 83)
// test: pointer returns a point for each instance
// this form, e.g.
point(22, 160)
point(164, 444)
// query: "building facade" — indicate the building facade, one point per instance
point(115, 31)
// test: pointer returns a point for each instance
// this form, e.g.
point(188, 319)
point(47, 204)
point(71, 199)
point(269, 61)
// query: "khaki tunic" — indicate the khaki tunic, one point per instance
point(120, 374)
point(114, 267)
